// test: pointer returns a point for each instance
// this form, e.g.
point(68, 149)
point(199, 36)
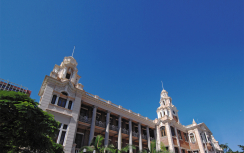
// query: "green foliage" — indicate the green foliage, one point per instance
point(153, 148)
point(97, 145)
point(24, 127)
point(242, 147)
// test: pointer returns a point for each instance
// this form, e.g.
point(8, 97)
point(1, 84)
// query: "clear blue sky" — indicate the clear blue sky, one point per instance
point(125, 48)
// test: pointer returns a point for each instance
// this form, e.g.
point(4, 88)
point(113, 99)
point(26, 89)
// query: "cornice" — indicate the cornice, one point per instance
point(55, 82)
point(118, 110)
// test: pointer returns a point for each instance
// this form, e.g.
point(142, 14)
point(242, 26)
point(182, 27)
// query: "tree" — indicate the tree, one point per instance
point(24, 127)
point(153, 148)
point(242, 148)
point(97, 145)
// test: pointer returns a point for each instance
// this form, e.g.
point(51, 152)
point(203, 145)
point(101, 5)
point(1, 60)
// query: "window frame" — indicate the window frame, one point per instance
point(61, 130)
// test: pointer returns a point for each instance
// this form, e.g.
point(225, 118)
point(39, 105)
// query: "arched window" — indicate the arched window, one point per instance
point(62, 101)
point(164, 112)
point(163, 132)
point(164, 102)
point(161, 114)
point(69, 73)
point(192, 138)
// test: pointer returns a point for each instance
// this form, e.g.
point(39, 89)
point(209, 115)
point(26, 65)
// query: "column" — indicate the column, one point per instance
point(56, 101)
point(148, 138)
point(119, 133)
point(158, 142)
point(67, 103)
point(199, 141)
point(107, 129)
point(155, 135)
point(92, 124)
point(177, 138)
point(140, 138)
point(170, 139)
point(130, 136)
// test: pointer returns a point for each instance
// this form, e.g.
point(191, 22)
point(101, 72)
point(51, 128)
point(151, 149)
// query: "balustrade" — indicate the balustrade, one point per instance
point(100, 124)
point(113, 127)
point(151, 138)
point(85, 119)
point(125, 131)
point(135, 134)
point(144, 136)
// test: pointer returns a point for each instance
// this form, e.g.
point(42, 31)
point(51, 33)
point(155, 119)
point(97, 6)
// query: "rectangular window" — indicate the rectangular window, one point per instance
point(78, 140)
point(183, 150)
point(179, 134)
point(53, 99)
point(61, 141)
point(61, 102)
point(70, 105)
point(186, 137)
point(172, 131)
point(62, 133)
point(176, 150)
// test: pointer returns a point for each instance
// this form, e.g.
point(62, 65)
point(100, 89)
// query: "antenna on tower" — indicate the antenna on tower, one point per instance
point(162, 85)
point(73, 51)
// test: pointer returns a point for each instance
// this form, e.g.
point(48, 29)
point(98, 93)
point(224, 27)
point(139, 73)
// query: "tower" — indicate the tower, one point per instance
point(166, 107)
point(61, 96)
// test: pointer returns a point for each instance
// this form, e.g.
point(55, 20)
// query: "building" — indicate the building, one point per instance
point(84, 116)
point(10, 86)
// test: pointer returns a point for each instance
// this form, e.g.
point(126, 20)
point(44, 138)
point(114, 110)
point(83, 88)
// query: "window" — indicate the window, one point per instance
point(183, 150)
point(176, 150)
point(61, 102)
point(161, 114)
point(164, 112)
point(192, 138)
point(179, 134)
point(163, 132)
point(172, 131)
point(62, 133)
point(186, 137)
point(70, 105)
point(163, 102)
point(68, 76)
point(78, 140)
point(205, 136)
point(54, 99)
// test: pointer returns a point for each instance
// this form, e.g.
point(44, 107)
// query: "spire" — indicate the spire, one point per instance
point(162, 85)
point(193, 122)
point(73, 51)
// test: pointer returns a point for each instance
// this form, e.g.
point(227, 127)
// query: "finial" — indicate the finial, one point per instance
point(73, 51)
point(162, 85)
point(193, 122)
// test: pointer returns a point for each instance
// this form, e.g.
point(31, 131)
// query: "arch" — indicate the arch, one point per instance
point(161, 114)
point(192, 137)
point(65, 93)
point(69, 73)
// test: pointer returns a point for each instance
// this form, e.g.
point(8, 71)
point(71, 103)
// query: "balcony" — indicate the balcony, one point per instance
point(135, 134)
point(85, 119)
point(125, 131)
point(113, 127)
point(144, 136)
point(100, 124)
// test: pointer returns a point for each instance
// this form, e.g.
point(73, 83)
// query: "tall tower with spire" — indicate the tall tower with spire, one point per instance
point(166, 107)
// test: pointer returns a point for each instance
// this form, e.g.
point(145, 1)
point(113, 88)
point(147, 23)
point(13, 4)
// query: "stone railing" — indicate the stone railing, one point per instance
point(125, 131)
point(144, 136)
point(135, 134)
point(100, 124)
point(85, 119)
point(151, 138)
point(113, 127)
point(117, 106)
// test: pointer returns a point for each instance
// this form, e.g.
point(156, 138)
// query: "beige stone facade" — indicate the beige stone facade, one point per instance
point(84, 116)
